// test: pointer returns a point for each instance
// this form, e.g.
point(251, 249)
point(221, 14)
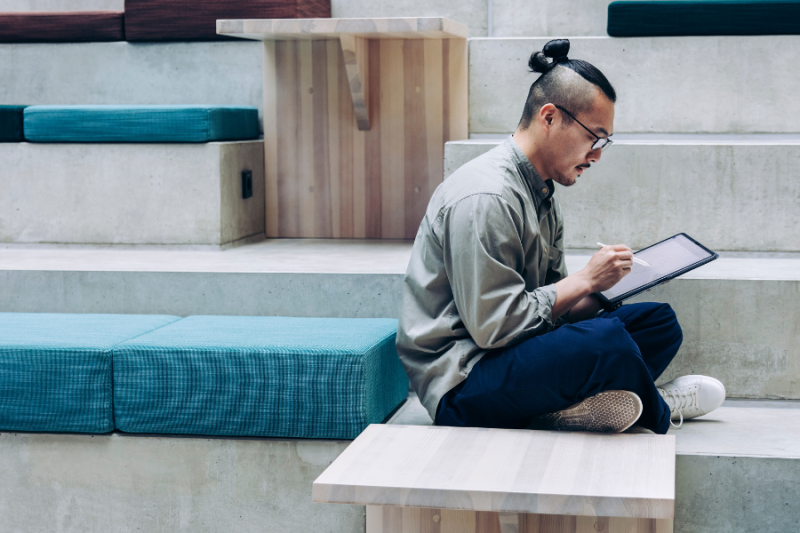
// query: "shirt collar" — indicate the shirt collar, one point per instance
point(542, 188)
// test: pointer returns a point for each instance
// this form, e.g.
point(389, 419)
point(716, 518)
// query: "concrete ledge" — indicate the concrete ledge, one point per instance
point(130, 193)
point(739, 314)
point(120, 482)
point(212, 73)
point(711, 188)
point(737, 87)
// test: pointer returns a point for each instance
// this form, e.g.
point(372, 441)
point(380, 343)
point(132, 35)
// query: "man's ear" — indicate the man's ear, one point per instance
point(547, 116)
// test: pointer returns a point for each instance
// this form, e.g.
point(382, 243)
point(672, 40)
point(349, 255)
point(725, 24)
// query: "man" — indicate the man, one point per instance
point(493, 332)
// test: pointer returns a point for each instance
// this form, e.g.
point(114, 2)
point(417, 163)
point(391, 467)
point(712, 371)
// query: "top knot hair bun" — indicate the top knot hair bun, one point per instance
point(556, 49)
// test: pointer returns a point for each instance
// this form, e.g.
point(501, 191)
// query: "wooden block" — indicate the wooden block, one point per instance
point(510, 471)
point(385, 519)
point(354, 132)
point(325, 28)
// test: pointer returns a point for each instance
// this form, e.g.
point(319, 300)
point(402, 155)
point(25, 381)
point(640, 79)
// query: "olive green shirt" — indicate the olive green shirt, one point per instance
point(482, 270)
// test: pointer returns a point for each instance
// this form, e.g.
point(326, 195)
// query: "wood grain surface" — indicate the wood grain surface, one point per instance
point(339, 171)
point(326, 28)
point(195, 20)
point(414, 519)
point(69, 27)
point(511, 471)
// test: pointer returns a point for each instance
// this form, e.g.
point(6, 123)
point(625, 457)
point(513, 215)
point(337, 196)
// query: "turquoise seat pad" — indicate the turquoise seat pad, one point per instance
point(259, 376)
point(11, 123)
point(55, 369)
point(650, 18)
point(146, 124)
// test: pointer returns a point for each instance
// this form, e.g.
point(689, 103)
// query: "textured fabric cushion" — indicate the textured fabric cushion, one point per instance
point(153, 124)
point(55, 369)
point(644, 18)
point(69, 27)
point(11, 123)
point(193, 20)
point(259, 376)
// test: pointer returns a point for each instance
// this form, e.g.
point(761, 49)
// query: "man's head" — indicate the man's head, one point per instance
point(568, 108)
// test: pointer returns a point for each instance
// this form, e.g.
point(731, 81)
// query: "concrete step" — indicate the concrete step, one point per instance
point(549, 18)
point(720, 189)
point(736, 468)
point(739, 314)
point(473, 13)
point(739, 86)
point(218, 73)
point(131, 193)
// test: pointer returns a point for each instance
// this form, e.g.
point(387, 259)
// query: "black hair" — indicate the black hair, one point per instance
point(551, 87)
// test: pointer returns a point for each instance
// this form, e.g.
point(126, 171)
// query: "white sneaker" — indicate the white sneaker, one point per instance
point(607, 412)
point(692, 396)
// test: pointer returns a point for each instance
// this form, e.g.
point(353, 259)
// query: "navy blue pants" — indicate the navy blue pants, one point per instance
point(626, 349)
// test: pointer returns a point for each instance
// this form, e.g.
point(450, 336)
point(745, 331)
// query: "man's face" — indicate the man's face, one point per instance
point(571, 143)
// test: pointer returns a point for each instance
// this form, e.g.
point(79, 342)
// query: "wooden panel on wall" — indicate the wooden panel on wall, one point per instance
point(325, 177)
point(388, 519)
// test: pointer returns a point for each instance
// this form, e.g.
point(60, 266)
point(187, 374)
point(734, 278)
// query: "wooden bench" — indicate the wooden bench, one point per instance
point(471, 480)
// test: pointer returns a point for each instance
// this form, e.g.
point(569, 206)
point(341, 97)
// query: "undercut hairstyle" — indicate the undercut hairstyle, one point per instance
point(570, 83)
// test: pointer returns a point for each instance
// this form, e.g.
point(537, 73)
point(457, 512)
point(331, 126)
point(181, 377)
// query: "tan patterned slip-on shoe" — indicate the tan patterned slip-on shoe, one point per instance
point(610, 411)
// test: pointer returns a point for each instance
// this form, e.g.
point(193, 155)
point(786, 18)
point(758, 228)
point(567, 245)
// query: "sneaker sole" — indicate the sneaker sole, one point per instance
point(606, 412)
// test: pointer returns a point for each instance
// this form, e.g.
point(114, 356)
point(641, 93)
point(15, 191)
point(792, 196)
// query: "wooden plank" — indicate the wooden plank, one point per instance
point(286, 118)
point(457, 84)
point(415, 139)
point(373, 148)
point(369, 28)
point(305, 139)
point(539, 472)
point(321, 175)
point(337, 192)
point(434, 105)
point(271, 139)
point(355, 51)
point(390, 519)
point(392, 126)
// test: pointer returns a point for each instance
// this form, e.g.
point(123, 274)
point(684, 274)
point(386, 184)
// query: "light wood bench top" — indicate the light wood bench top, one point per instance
point(316, 29)
point(500, 470)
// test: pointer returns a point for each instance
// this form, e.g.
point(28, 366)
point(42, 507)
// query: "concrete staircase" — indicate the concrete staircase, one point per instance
point(707, 144)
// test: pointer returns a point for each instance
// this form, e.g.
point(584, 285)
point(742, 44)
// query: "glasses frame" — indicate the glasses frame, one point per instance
point(600, 143)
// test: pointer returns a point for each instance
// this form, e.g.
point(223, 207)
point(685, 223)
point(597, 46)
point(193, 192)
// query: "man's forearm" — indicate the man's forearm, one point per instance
point(584, 309)
point(569, 292)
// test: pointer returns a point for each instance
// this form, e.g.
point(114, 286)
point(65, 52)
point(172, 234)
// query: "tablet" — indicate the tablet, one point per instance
point(668, 259)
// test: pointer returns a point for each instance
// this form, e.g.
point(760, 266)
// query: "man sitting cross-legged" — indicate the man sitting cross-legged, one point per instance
point(493, 333)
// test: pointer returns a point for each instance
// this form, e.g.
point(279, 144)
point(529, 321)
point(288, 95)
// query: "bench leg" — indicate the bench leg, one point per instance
point(385, 519)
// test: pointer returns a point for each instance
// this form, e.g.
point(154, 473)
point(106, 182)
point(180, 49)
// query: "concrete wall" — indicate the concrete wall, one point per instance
point(472, 13)
point(727, 196)
point(664, 84)
point(543, 18)
point(224, 73)
point(130, 193)
point(117, 483)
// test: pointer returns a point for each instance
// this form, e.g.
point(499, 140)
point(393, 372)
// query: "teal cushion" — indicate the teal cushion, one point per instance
point(259, 376)
point(646, 18)
point(147, 124)
point(11, 123)
point(55, 369)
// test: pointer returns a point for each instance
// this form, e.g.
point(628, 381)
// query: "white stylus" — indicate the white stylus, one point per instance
point(635, 259)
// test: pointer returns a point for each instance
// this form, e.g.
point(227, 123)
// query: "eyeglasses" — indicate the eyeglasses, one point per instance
point(601, 143)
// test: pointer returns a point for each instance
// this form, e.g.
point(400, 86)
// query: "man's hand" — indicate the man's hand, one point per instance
point(607, 267)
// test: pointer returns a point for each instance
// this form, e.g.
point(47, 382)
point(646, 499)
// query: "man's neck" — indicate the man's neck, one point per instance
point(527, 144)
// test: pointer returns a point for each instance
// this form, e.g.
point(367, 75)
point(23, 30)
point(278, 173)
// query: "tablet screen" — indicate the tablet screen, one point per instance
point(664, 259)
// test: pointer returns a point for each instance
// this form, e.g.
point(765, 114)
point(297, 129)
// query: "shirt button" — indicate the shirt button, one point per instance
point(545, 249)
point(544, 190)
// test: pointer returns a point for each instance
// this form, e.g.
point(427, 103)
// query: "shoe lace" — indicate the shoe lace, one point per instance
point(677, 401)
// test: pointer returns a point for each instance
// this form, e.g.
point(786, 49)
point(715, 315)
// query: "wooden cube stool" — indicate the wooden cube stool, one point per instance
point(356, 114)
point(472, 480)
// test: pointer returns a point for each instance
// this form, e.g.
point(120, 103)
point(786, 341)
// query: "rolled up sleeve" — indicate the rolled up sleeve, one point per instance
point(484, 258)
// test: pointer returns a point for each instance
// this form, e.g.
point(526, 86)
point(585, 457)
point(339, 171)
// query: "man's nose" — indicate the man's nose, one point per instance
point(594, 155)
